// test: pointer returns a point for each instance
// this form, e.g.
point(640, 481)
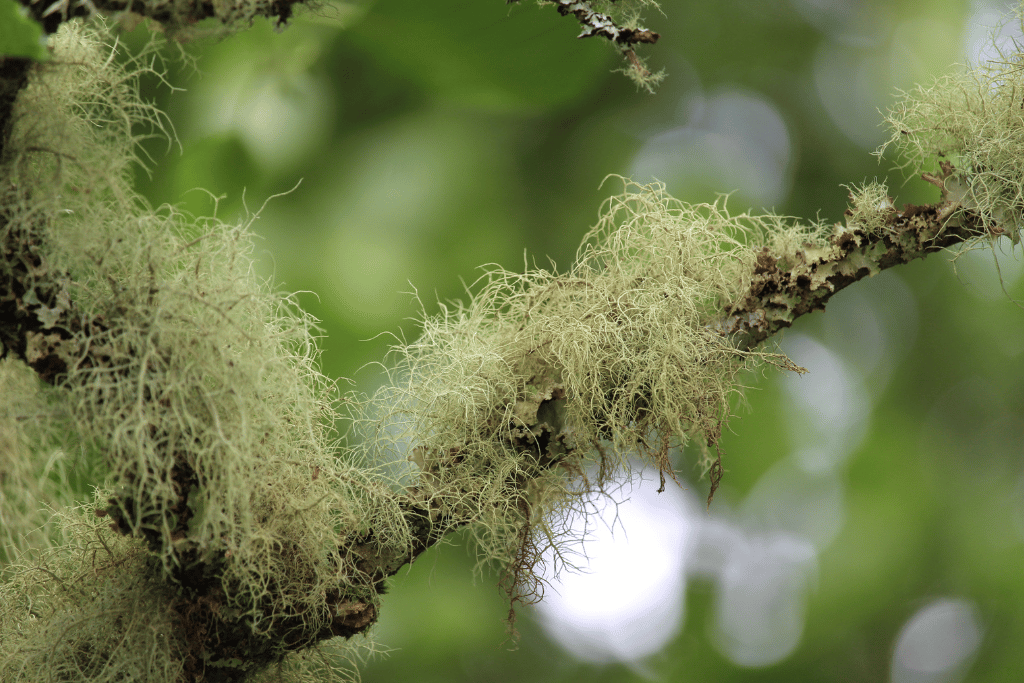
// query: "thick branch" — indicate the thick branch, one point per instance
point(37, 319)
point(41, 325)
point(784, 286)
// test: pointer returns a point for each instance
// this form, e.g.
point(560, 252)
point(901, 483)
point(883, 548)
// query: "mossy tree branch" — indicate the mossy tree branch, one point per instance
point(43, 325)
point(173, 16)
point(597, 23)
point(618, 22)
point(786, 286)
point(248, 529)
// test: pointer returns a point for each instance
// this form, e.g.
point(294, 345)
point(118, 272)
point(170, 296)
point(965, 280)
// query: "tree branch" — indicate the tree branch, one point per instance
point(625, 37)
point(170, 15)
point(517, 440)
point(599, 24)
point(787, 286)
point(42, 326)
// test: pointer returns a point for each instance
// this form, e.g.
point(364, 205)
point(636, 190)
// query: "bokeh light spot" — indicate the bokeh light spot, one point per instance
point(626, 601)
point(937, 643)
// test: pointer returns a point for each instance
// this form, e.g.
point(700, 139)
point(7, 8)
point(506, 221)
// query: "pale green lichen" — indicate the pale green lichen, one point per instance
point(89, 609)
point(620, 354)
point(36, 474)
point(973, 119)
point(870, 209)
point(195, 366)
point(511, 407)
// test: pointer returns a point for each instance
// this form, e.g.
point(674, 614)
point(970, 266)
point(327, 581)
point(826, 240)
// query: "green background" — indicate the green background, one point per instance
point(434, 137)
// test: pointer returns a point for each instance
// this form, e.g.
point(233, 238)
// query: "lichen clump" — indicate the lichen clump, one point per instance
point(188, 385)
point(232, 526)
point(564, 379)
point(969, 118)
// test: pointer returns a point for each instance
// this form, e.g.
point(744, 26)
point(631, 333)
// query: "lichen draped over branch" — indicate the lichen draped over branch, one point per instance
point(193, 390)
point(234, 531)
point(970, 124)
point(622, 346)
point(540, 389)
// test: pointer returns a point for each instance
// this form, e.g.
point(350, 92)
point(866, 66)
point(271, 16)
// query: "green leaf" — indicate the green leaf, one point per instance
point(20, 36)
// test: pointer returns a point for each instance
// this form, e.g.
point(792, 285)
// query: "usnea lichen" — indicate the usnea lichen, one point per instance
point(89, 609)
point(871, 207)
point(969, 118)
point(36, 475)
point(561, 379)
point(188, 383)
point(231, 516)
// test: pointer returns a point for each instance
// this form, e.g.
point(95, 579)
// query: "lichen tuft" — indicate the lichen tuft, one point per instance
point(561, 380)
point(193, 389)
point(969, 120)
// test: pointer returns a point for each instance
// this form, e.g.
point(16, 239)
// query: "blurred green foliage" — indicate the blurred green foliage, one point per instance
point(432, 138)
point(20, 35)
